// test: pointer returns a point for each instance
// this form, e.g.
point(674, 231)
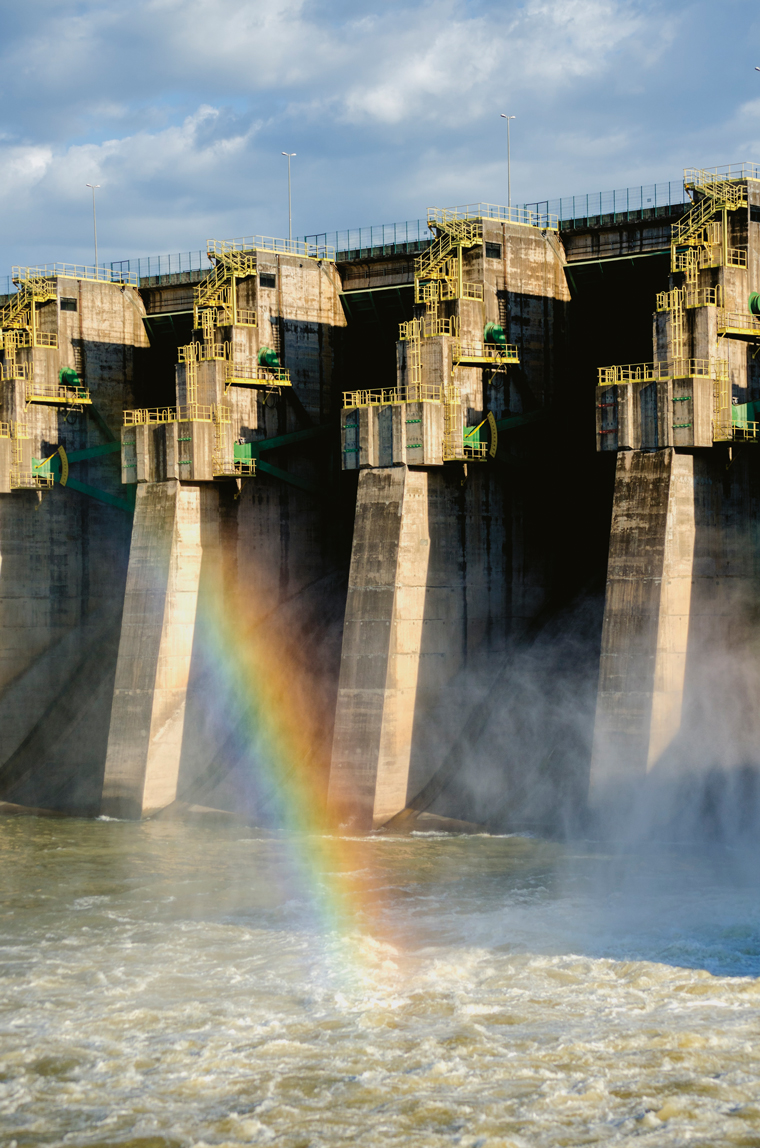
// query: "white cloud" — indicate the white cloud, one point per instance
point(180, 109)
point(21, 168)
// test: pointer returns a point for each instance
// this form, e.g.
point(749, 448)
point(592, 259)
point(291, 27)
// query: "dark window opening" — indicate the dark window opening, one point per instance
point(267, 280)
point(68, 304)
point(754, 213)
point(493, 251)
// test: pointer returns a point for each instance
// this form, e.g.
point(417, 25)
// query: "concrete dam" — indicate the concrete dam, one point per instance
point(460, 524)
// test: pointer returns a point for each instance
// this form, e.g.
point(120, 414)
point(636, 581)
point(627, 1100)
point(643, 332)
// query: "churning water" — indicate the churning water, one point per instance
point(165, 984)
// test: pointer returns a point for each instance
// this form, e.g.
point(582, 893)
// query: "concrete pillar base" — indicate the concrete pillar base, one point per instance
point(175, 531)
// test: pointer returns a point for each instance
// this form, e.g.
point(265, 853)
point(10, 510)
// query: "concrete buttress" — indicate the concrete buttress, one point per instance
point(678, 663)
point(382, 636)
point(646, 619)
point(175, 535)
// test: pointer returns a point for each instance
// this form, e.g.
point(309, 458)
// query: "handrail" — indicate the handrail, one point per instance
point(386, 396)
point(256, 373)
point(56, 393)
point(703, 177)
point(156, 416)
point(73, 271)
point(667, 369)
point(205, 352)
point(493, 352)
point(11, 371)
point(427, 328)
point(437, 216)
point(737, 321)
point(218, 247)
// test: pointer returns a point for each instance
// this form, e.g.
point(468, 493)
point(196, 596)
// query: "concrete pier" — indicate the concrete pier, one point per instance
point(647, 612)
point(175, 538)
point(362, 485)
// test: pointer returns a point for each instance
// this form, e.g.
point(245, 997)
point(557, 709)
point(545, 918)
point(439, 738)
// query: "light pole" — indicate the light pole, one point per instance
point(290, 155)
point(504, 116)
point(94, 220)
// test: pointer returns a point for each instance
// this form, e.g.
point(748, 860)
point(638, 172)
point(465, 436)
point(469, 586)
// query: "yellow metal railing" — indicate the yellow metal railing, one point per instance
point(19, 338)
point(74, 271)
point(736, 321)
point(145, 416)
point(704, 297)
point(252, 243)
point(699, 259)
point(428, 327)
point(703, 178)
point(694, 297)
point(453, 419)
point(5, 430)
point(22, 477)
point(215, 297)
point(153, 416)
point(195, 413)
point(29, 480)
point(442, 262)
point(667, 369)
point(205, 352)
point(20, 313)
point(487, 353)
point(11, 371)
point(747, 431)
point(246, 318)
point(223, 461)
point(723, 419)
point(387, 396)
point(245, 374)
point(440, 216)
point(56, 393)
point(736, 257)
point(474, 451)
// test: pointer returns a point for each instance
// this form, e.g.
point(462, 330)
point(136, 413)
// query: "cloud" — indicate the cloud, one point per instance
point(180, 109)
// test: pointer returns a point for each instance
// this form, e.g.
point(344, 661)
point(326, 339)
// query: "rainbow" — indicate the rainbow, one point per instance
point(263, 705)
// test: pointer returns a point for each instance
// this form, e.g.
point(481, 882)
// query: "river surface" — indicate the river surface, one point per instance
point(170, 984)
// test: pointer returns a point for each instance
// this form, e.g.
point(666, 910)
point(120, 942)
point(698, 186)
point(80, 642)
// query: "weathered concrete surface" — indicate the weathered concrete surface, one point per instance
point(382, 643)
point(433, 582)
point(680, 629)
point(63, 555)
point(646, 612)
point(176, 529)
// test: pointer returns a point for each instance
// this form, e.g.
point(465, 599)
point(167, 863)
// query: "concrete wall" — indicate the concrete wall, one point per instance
point(215, 578)
point(432, 585)
point(175, 532)
point(679, 639)
point(63, 559)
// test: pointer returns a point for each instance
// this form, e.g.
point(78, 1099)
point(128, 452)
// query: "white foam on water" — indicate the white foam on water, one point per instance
point(511, 992)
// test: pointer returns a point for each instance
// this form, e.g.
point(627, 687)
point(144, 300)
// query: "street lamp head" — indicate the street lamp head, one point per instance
point(506, 117)
point(289, 154)
point(92, 185)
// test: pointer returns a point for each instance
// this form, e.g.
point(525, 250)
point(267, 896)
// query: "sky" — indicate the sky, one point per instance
point(180, 110)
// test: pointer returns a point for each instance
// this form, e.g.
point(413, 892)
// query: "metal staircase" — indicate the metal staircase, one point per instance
point(18, 318)
point(438, 271)
point(439, 278)
point(699, 242)
point(697, 228)
point(215, 297)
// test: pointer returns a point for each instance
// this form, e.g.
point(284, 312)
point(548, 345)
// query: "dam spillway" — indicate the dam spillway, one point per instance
point(356, 485)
